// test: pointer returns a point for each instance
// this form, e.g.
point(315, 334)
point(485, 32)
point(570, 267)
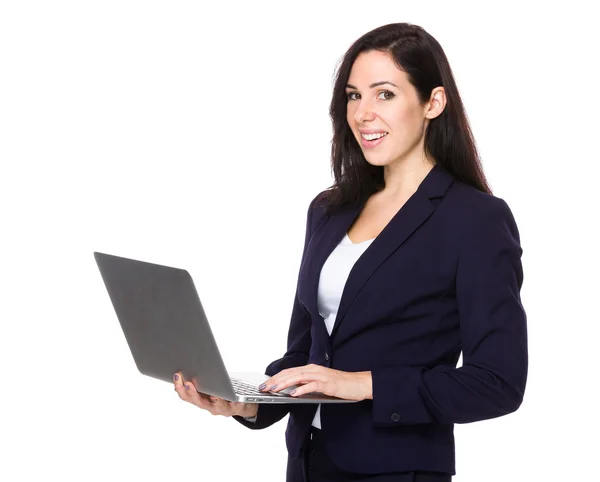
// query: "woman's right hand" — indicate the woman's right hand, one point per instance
point(188, 392)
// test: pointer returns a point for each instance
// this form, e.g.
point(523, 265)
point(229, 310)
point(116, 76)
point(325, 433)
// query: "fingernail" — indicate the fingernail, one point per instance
point(176, 377)
point(262, 386)
point(187, 387)
point(273, 387)
point(293, 391)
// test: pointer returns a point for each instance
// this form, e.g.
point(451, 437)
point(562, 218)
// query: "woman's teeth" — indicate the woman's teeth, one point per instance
point(372, 137)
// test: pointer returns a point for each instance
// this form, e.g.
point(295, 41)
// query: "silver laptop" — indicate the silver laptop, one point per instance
point(167, 331)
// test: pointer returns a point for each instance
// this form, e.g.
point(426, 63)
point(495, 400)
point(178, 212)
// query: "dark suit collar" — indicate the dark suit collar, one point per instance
point(417, 209)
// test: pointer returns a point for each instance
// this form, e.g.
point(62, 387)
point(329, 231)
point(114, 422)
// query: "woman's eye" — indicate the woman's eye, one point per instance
point(387, 95)
point(383, 95)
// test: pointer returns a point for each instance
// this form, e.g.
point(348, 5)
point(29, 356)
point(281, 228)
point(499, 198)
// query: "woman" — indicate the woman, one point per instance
point(408, 260)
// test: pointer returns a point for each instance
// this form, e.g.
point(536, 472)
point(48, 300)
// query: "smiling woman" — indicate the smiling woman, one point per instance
point(383, 322)
point(386, 113)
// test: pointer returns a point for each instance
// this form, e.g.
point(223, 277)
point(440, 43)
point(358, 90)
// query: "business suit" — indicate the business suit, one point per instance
point(443, 276)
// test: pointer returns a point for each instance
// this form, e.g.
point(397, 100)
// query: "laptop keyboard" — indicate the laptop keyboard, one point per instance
point(243, 388)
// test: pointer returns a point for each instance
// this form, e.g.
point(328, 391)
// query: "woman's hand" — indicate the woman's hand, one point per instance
point(217, 406)
point(316, 378)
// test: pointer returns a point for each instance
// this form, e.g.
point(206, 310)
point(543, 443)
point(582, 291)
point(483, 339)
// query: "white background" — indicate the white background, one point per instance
point(195, 136)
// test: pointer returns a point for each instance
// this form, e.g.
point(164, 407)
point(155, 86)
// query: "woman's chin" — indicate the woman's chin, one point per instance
point(375, 160)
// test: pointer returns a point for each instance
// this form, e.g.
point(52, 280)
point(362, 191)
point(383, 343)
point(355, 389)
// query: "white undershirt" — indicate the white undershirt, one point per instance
point(333, 278)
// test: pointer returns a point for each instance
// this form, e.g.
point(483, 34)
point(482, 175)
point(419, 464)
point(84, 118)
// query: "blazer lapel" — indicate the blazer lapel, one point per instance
point(323, 242)
point(405, 222)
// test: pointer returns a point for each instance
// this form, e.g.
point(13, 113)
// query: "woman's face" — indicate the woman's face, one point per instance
point(383, 110)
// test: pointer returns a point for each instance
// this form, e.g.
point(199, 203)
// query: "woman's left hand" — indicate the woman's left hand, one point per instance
point(316, 378)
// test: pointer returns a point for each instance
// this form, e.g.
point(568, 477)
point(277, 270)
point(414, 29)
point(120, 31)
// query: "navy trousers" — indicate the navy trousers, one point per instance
point(317, 466)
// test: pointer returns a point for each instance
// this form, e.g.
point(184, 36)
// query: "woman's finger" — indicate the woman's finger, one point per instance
point(293, 376)
point(178, 382)
point(188, 393)
point(300, 379)
point(274, 380)
point(199, 399)
point(309, 388)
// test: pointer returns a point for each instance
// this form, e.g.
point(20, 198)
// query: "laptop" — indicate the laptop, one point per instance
point(167, 331)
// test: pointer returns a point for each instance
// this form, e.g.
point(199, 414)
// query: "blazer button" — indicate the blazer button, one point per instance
point(395, 417)
point(326, 356)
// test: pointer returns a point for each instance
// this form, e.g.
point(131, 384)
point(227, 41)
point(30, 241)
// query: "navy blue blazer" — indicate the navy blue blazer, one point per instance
point(444, 276)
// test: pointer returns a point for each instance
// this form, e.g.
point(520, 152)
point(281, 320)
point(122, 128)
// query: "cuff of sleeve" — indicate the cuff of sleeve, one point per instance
point(249, 422)
point(396, 397)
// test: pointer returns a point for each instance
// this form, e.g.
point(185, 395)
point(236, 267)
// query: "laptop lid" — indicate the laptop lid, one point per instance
point(164, 323)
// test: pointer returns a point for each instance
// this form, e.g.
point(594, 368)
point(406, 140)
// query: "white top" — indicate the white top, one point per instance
point(331, 285)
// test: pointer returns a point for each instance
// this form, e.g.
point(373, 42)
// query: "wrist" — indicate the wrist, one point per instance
point(250, 410)
point(367, 381)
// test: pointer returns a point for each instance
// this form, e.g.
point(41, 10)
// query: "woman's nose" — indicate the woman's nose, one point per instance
point(364, 113)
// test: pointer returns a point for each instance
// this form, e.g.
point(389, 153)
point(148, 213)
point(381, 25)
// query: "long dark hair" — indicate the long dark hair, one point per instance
point(448, 138)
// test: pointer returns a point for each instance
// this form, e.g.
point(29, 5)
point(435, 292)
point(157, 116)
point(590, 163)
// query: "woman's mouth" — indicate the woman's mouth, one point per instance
point(369, 141)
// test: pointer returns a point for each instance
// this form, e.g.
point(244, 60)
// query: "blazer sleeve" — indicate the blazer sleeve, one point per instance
point(493, 331)
point(298, 346)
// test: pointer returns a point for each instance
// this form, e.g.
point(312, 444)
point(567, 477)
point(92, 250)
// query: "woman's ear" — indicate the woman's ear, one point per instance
point(436, 104)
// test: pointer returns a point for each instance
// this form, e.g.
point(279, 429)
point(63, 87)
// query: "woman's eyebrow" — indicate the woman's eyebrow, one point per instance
point(374, 84)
